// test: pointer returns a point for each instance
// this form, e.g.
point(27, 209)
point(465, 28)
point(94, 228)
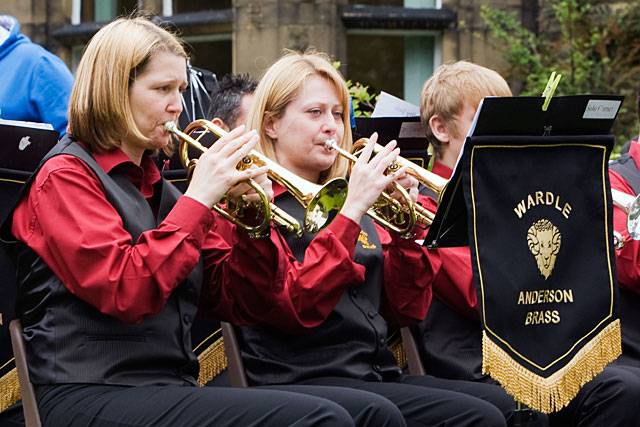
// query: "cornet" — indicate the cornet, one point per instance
point(631, 206)
point(321, 202)
point(401, 215)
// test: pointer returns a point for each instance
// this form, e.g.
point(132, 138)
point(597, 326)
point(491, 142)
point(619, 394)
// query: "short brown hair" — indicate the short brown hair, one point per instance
point(99, 109)
point(451, 87)
point(281, 84)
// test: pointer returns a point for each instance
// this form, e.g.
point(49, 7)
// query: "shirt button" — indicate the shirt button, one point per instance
point(186, 318)
point(377, 367)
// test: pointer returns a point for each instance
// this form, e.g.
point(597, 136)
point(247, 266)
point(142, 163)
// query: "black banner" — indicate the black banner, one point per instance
point(539, 217)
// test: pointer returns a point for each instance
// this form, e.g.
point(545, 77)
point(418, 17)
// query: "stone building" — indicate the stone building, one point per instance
point(390, 45)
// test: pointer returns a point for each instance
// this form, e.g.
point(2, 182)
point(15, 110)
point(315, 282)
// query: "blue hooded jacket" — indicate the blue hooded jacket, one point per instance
point(34, 83)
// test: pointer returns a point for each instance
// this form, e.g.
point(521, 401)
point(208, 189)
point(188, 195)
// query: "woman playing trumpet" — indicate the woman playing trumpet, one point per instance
point(112, 260)
point(348, 280)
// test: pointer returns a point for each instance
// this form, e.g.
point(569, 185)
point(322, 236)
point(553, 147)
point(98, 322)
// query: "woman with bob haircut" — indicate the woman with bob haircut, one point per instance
point(349, 279)
point(112, 259)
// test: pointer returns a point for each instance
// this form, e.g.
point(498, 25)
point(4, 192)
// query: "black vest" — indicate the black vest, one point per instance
point(69, 341)
point(450, 344)
point(351, 342)
point(629, 301)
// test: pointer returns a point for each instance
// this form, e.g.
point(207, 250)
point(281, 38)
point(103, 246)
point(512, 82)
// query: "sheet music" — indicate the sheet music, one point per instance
point(36, 125)
point(471, 129)
point(392, 106)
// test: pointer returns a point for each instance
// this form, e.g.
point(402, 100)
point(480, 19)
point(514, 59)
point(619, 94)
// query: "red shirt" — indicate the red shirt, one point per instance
point(453, 283)
point(315, 285)
point(67, 220)
point(627, 258)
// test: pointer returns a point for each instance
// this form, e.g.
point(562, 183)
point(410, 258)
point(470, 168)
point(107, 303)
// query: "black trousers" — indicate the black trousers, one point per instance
point(99, 405)
point(611, 399)
point(420, 400)
point(12, 416)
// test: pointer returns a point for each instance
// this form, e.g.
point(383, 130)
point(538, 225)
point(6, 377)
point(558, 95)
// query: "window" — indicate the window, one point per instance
point(212, 53)
point(378, 2)
point(105, 10)
point(396, 62)
point(186, 6)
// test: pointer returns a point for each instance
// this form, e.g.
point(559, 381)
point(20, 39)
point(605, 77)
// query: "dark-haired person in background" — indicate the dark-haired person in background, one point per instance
point(231, 100)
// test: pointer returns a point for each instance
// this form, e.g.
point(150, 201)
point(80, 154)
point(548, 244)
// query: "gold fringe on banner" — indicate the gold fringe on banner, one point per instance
point(551, 394)
point(398, 352)
point(213, 361)
point(9, 389)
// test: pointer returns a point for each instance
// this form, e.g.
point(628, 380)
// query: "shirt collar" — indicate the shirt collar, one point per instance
point(143, 176)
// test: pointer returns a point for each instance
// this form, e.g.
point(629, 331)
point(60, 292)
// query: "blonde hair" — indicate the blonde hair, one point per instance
point(452, 86)
point(99, 111)
point(281, 84)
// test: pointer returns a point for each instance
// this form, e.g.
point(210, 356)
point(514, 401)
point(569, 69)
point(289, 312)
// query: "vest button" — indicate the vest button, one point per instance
point(186, 318)
point(382, 342)
point(354, 293)
point(377, 367)
point(371, 314)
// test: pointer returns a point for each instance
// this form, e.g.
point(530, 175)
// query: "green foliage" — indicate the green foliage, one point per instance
point(595, 46)
point(363, 101)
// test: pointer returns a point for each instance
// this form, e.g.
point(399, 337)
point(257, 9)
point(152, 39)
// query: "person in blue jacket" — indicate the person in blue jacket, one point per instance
point(35, 84)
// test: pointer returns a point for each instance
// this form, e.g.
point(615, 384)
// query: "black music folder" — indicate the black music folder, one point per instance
point(518, 117)
point(24, 144)
point(407, 131)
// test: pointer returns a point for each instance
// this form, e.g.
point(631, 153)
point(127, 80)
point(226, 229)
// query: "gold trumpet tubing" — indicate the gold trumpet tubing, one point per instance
point(286, 221)
point(303, 191)
point(173, 128)
point(386, 202)
point(427, 178)
point(436, 183)
point(424, 216)
point(321, 202)
point(260, 230)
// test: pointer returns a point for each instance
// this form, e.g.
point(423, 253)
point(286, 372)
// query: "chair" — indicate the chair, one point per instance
point(412, 353)
point(29, 403)
point(237, 377)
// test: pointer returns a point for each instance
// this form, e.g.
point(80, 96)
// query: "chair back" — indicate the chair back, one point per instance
point(237, 377)
point(414, 363)
point(29, 403)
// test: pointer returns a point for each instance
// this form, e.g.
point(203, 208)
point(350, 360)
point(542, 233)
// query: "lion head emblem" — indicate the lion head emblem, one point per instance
point(544, 243)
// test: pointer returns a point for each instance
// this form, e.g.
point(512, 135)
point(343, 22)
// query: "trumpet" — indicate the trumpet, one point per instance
point(434, 182)
point(631, 206)
point(321, 202)
point(401, 215)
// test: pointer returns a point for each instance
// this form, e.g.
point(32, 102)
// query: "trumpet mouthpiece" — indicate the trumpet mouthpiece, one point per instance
point(170, 125)
point(330, 144)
